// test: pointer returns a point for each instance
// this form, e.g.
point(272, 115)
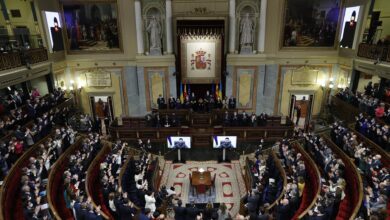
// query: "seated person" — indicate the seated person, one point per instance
point(227, 143)
point(180, 144)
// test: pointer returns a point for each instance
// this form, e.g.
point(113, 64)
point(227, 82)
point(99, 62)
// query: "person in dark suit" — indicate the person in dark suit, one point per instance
point(192, 212)
point(234, 120)
point(253, 120)
point(172, 103)
point(56, 36)
point(252, 202)
point(126, 210)
point(180, 212)
point(160, 102)
point(282, 210)
point(298, 108)
point(349, 32)
point(146, 215)
point(232, 102)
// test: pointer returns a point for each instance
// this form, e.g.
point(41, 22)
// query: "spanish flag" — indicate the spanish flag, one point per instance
point(220, 90)
point(185, 91)
point(181, 93)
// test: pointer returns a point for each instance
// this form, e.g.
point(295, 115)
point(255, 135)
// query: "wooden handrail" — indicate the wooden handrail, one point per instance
point(131, 155)
point(14, 172)
point(64, 158)
point(314, 166)
point(284, 177)
point(107, 147)
point(347, 160)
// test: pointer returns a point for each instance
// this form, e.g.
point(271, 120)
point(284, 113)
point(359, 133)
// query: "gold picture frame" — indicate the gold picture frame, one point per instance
point(83, 41)
point(201, 57)
point(334, 46)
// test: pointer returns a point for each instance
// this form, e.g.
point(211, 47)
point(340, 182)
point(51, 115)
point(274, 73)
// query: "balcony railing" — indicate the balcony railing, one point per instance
point(374, 52)
point(17, 59)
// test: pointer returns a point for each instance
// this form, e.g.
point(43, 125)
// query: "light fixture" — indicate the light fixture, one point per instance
point(331, 85)
point(201, 170)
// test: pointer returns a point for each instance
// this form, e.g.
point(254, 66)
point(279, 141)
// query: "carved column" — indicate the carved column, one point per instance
point(261, 35)
point(139, 28)
point(168, 24)
point(232, 25)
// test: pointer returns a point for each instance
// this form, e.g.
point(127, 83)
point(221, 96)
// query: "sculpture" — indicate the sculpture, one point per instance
point(154, 29)
point(246, 30)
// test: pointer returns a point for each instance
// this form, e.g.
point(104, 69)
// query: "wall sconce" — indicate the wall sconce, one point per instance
point(331, 83)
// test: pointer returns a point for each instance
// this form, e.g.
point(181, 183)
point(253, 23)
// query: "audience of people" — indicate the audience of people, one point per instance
point(74, 179)
point(35, 174)
point(20, 108)
point(23, 138)
point(333, 182)
point(375, 131)
point(376, 178)
point(295, 169)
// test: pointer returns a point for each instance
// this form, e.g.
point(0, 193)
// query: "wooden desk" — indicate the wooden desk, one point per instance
point(201, 182)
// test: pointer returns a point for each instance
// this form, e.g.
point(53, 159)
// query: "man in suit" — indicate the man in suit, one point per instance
point(146, 215)
point(180, 212)
point(232, 102)
point(282, 210)
point(172, 103)
point(234, 120)
point(160, 102)
point(253, 120)
point(126, 210)
point(192, 212)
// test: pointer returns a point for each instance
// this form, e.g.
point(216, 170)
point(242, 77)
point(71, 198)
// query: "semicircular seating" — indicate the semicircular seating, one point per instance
point(11, 185)
point(66, 187)
point(373, 164)
point(342, 189)
point(302, 176)
point(266, 183)
point(103, 179)
point(13, 145)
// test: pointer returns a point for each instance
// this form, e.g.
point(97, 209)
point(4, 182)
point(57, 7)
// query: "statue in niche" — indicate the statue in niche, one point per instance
point(246, 34)
point(154, 30)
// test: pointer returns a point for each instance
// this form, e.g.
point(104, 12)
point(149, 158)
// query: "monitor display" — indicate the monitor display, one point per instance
point(348, 28)
point(54, 30)
point(178, 142)
point(224, 141)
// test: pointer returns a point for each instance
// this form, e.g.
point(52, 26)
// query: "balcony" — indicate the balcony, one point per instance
point(374, 52)
point(17, 59)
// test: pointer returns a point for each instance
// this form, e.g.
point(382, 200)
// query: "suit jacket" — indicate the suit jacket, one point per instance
point(192, 212)
point(180, 213)
point(125, 212)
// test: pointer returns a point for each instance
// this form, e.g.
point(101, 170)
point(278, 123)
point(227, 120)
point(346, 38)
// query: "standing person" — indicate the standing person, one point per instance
point(150, 201)
point(298, 109)
point(232, 102)
point(180, 212)
point(160, 102)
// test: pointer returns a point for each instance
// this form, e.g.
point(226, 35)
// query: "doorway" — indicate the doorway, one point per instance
point(102, 107)
point(301, 109)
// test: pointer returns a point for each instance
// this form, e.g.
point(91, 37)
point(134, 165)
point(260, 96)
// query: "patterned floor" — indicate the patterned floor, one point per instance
point(230, 186)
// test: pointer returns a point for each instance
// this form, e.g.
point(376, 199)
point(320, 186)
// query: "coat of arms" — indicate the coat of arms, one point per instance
point(200, 61)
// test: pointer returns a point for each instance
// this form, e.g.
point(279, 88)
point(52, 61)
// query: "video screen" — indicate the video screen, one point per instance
point(54, 30)
point(348, 28)
point(178, 142)
point(224, 141)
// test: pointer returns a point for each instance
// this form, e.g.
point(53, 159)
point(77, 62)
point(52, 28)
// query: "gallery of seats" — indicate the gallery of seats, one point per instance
point(194, 110)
